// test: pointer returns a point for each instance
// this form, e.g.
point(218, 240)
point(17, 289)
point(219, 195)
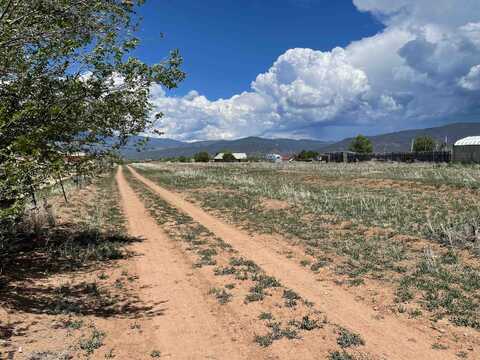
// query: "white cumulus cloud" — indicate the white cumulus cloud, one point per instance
point(471, 81)
point(424, 66)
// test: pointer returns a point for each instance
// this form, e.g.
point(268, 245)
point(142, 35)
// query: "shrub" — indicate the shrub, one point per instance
point(202, 156)
point(306, 155)
point(424, 143)
point(228, 157)
point(361, 144)
point(347, 339)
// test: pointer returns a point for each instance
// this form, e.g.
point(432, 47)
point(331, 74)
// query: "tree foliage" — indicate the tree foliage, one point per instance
point(202, 156)
point(228, 157)
point(306, 155)
point(424, 143)
point(361, 144)
point(69, 85)
point(183, 159)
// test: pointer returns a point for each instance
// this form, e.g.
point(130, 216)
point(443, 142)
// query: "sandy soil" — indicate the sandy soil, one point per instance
point(387, 337)
point(31, 327)
point(188, 327)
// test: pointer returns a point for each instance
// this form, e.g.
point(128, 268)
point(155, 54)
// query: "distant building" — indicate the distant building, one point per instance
point(75, 157)
point(467, 150)
point(275, 158)
point(237, 156)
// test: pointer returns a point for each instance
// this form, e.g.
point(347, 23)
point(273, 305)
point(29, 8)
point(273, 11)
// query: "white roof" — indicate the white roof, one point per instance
point(471, 140)
point(240, 156)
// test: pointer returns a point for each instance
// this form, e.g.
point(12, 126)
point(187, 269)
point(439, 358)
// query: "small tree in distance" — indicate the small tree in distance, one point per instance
point(424, 143)
point(306, 155)
point(202, 156)
point(228, 157)
point(361, 144)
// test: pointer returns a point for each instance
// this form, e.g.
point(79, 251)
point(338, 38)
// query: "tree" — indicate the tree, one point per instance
point(69, 84)
point(228, 157)
point(424, 143)
point(306, 155)
point(202, 156)
point(361, 144)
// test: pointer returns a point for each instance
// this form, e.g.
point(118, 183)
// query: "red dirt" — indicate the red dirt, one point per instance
point(189, 326)
point(389, 337)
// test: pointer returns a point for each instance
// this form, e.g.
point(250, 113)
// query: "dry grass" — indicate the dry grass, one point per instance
point(400, 234)
point(54, 289)
point(236, 280)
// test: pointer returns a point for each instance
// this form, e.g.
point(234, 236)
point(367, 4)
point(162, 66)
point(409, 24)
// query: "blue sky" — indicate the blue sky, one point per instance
point(227, 43)
point(319, 69)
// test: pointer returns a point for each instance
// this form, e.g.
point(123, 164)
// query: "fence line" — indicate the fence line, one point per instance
point(425, 156)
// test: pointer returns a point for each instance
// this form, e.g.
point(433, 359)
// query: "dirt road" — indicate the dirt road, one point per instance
point(187, 324)
point(390, 337)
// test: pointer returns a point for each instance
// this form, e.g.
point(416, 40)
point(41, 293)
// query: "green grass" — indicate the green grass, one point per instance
point(265, 316)
point(445, 287)
point(73, 324)
point(276, 332)
point(93, 342)
point(306, 323)
point(221, 295)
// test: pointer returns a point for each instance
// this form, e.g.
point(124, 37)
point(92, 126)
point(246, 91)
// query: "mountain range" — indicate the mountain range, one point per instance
point(158, 148)
point(253, 146)
point(402, 140)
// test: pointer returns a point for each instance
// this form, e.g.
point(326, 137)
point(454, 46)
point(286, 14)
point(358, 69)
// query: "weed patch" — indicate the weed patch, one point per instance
point(348, 339)
point(92, 343)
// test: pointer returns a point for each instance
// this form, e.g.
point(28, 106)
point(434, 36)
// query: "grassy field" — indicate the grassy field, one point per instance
point(245, 261)
point(410, 228)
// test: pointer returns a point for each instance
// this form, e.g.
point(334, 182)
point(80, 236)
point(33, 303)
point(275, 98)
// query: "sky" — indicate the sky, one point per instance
point(318, 69)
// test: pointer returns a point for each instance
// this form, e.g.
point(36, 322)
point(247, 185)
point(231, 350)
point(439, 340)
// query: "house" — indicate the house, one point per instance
point(467, 150)
point(239, 157)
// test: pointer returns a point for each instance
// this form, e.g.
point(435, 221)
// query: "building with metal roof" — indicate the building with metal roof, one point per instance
point(467, 150)
point(470, 140)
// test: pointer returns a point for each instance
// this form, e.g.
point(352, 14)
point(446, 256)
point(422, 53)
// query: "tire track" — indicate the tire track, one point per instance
point(188, 327)
point(390, 337)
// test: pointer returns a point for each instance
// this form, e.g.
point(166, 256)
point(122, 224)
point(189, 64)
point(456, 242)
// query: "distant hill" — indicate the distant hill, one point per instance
point(130, 150)
point(397, 141)
point(401, 140)
point(250, 145)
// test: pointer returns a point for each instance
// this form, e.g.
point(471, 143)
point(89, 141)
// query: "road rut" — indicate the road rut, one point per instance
point(389, 337)
point(188, 326)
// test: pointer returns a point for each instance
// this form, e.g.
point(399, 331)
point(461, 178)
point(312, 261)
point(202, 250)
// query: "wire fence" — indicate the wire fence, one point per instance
point(425, 156)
